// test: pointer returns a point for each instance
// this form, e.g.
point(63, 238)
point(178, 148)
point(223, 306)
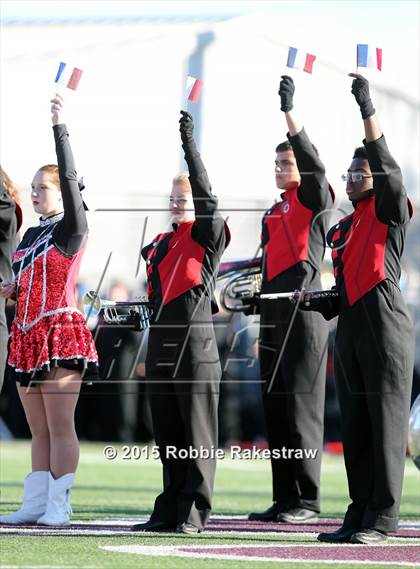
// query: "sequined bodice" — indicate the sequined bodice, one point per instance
point(45, 277)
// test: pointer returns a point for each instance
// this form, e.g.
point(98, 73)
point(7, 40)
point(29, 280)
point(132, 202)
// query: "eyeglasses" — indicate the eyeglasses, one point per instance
point(354, 176)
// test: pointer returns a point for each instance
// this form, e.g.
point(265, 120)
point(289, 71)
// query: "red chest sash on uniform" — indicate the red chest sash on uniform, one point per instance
point(364, 254)
point(288, 225)
point(180, 269)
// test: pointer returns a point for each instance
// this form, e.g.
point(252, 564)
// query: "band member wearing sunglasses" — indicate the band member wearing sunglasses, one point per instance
point(374, 345)
point(51, 348)
point(182, 365)
point(293, 348)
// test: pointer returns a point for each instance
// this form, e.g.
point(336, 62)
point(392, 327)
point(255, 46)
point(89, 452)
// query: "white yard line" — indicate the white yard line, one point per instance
point(176, 551)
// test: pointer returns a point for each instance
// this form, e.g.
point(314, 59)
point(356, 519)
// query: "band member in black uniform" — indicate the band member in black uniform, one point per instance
point(293, 346)
point(10, 221)
point(374, 345)
point(182, 364)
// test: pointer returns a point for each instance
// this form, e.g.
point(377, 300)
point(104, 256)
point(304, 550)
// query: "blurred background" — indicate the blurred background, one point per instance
point(123, 123)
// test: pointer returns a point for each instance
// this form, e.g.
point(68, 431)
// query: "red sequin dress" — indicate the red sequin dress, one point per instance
point(48, 330)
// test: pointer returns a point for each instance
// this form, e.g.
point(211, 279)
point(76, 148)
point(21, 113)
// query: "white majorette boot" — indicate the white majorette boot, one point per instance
point(58, 509)
point(35, 495)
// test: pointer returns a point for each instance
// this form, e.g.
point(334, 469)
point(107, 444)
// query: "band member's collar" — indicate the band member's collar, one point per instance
point(363, 198)
point(286, 193)
point(181, 227)
point(50, 220)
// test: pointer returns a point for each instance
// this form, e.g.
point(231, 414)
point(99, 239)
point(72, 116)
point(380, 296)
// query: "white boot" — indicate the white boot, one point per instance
point(58, 506)
point(35, 495)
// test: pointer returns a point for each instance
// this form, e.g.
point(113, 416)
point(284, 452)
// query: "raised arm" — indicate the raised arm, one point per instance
point(313, 191)
point(391, 201)
point(70, 233)
point(208, 221)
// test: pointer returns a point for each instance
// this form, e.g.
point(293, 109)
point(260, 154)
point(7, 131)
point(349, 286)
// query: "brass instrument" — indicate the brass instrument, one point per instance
point(243, 288)
point(137, 312)
point(243, 284)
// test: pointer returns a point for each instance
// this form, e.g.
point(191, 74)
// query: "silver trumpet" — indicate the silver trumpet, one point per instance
point(243, 284)
point(137, 312)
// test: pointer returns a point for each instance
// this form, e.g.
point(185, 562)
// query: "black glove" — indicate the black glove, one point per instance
point(328, 306)
point(286, 92)
point(252, 304)
point(360, 90)
point(186, 127)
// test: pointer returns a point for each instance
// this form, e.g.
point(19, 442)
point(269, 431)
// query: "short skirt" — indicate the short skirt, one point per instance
point(59, 340)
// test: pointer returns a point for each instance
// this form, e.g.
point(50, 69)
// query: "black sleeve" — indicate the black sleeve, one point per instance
point(70, 232)
point(209, 224)
point(391, 201)
point(7, 214)
point(313, 192)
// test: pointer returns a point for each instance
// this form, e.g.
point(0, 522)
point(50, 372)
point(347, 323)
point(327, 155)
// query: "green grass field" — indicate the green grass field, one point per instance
point(126, 489)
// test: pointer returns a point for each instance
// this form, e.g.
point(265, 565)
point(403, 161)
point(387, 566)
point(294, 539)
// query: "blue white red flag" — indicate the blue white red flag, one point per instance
point(193, 89)
point(368, 56)
point(298, 59)
point(68, 76)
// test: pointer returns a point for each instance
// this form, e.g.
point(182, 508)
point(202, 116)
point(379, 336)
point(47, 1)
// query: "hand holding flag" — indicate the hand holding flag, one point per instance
point(68, 76)
point(360, 90)
point(186, 127)
point(297, 59)
point(57, 109)
point(286, 92)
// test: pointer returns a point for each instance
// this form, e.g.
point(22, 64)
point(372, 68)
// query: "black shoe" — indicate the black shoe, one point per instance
point(270, 515)
point(185, 527)
point(369, 537)
point(153, 526)
point(297, 516)
point(342, 535)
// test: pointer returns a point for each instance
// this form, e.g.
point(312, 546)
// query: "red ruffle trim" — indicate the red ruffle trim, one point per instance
point(59, 337)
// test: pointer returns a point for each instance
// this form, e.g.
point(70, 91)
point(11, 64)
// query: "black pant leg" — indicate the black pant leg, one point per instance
point(272, 325)
point(294, 397)
point(374, 363)
point(284, 486)
point(388, 361)
point(168, 432)
point(354, 419)
point(197, 388)
point(304, 371)
point(184, 412)
point(199, 413)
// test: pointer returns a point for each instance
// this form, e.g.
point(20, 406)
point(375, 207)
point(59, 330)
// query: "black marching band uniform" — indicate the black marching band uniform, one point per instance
point(182, 365)
point(374, 345)
point(10, 222)
point(293, 241)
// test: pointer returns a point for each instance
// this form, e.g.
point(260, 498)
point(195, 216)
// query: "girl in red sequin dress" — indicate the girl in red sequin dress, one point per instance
point(51, 348)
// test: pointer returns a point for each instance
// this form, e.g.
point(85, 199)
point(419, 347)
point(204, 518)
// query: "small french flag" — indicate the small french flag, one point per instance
point(297, 59)
point(68, 76)
point(368, 56)
point(193, 89)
